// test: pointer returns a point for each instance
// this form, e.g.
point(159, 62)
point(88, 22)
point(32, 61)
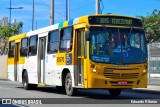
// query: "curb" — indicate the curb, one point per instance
point(4, 80)
point(151, 91)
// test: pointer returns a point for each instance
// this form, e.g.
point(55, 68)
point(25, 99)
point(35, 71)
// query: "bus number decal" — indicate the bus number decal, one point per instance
point(60, 59)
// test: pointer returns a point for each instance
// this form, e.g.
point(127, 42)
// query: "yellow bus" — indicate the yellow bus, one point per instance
point(104, 51)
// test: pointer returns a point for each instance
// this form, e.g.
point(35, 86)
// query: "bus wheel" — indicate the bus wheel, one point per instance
point(26, 85)
point(70, 91)
point(115, 92)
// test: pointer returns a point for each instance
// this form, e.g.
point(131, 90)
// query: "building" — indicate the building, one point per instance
point(4, 23)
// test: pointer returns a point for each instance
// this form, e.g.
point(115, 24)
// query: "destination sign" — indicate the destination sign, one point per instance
point(115, 20)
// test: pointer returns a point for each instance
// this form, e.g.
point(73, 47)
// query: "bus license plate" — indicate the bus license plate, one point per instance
point(122, 82)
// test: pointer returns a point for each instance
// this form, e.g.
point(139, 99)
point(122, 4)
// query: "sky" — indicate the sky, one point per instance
point(77, 8)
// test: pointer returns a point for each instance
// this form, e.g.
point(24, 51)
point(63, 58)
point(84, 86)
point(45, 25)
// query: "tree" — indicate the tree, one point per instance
point(152, 26)
point(9, 31)
point(5, 33)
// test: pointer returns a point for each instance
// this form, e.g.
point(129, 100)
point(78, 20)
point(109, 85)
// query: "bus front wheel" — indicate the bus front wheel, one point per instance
point(115, 92)
point(70, 91)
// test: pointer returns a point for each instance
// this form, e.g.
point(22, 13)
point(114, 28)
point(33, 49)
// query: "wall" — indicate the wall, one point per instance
point(3, 67)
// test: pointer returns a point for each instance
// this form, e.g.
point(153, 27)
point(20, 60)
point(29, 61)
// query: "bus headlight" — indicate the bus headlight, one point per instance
point(144, 72)
point(94, 70)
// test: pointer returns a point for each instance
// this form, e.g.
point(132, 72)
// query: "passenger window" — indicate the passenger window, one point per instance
point(11, 49)
point(33, 45)
point(24, 47)
point(66, 39)
point(53, 39)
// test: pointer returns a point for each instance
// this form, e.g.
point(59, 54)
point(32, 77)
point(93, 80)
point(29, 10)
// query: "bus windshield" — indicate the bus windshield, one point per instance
point(117, 45)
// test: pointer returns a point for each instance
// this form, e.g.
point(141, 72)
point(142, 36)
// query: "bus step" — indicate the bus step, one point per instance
point(79, 86)
point(41, 84)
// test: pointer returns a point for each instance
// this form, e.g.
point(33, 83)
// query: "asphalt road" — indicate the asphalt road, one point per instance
point(9, 89)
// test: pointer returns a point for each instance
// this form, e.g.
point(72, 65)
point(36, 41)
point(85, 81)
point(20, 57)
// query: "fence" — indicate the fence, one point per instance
point(154, 63)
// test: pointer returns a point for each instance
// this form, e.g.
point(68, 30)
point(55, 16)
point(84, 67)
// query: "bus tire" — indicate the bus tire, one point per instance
point(115, 92)
point(26, 85)
point(70, 90)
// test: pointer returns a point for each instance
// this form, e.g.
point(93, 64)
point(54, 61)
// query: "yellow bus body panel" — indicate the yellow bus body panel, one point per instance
point(107, 76)
point(17, 39)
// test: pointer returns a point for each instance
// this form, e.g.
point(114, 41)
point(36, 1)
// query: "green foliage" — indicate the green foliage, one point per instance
point(9, 31)
point(152, 26)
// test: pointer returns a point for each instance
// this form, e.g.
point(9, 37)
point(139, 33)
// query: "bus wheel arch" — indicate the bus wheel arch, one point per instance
point(25, 81)
point(24, 70)
point(67, 82)
point(64, 74)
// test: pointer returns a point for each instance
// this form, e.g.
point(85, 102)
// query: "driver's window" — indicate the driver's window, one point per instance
point(102, 44)
point(135, 40)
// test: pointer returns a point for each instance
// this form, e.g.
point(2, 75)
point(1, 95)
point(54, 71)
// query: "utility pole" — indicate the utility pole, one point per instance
point(33, 16)
point(97, 7)
point(52, 13)
point(10, 11)
point(67, 9)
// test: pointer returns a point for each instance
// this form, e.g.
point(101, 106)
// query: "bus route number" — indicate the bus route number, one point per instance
point(104, 20)
point(60, 59)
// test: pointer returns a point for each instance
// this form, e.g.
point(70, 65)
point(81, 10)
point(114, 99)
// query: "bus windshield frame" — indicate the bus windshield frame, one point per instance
point(113, 45)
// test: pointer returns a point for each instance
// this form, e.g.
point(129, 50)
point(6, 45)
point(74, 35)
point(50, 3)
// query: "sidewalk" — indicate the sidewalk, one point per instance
point(154, 89)
point(153, 86)
point(154, 81)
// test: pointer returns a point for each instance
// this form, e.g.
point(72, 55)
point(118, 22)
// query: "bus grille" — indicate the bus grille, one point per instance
point(121, 75)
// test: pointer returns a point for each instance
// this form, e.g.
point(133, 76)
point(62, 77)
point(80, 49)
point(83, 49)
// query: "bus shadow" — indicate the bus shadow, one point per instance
point(97, 94)
point(91, 94)
point(47, 90)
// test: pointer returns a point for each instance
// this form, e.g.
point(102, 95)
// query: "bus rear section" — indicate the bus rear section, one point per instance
point(15, 62)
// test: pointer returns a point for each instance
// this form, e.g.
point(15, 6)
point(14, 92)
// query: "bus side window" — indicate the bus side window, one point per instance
point(11, 49)
point(24, 47)
point(53, 40)
point(33, 45)
point(66, 39)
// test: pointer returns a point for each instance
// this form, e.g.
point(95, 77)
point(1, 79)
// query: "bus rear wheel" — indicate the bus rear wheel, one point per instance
point(26, 85)
point(115, 92)
point(70, 90)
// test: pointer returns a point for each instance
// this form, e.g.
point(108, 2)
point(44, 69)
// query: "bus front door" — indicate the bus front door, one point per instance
point(79, 70)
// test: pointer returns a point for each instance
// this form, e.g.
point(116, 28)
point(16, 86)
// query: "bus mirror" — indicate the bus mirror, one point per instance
point(87, 35)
